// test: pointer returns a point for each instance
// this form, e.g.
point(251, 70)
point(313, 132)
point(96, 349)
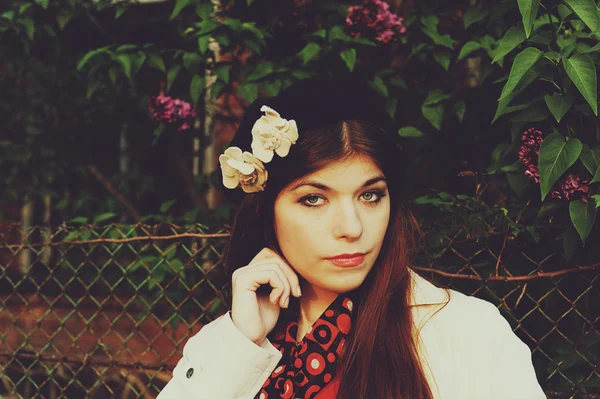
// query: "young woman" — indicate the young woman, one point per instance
point(325, 303)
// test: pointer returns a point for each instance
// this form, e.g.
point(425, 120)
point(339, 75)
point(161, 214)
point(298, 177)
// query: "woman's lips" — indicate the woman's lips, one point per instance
point(346, 261)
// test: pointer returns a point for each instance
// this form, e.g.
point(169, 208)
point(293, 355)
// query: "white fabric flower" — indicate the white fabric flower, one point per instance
point(272, 134)
point(243, 169)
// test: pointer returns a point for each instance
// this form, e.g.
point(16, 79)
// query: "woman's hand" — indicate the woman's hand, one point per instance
point(256, 315)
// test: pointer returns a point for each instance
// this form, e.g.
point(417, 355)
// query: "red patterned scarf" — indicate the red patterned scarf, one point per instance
point(308, 366)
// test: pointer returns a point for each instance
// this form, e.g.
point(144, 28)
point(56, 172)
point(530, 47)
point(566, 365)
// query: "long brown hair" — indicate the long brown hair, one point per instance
point(381, 358)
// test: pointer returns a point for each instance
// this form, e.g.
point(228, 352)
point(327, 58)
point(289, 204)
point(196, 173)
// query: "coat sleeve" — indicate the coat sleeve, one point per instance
point(220, 362)
point(513, 373)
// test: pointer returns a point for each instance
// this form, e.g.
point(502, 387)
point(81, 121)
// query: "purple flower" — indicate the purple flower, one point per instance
point(571, 186)
point(374, 20)
point(172, 111)
point(530, 149)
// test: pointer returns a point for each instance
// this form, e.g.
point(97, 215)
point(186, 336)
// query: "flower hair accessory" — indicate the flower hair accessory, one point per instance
point(271, 134)
point(242, 169)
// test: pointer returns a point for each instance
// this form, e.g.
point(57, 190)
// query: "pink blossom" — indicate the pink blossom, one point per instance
point(568, 187)
point(530, 149)
point(172, 111)
point(374, 20)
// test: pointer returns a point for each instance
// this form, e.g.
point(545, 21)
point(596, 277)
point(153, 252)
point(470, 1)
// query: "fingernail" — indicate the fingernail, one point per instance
point(298, 291)
point(287, 302)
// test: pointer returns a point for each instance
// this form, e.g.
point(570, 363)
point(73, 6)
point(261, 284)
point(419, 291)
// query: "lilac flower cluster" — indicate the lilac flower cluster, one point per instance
point(374, 20)
point(571, 186)
point(172, 111)
point(530, 149)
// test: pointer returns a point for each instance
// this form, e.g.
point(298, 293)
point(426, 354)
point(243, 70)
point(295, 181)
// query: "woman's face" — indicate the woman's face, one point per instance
point(343, 208)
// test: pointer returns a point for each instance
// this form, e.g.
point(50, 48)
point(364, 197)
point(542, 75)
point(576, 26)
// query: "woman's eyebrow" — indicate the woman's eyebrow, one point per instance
point(323, 187)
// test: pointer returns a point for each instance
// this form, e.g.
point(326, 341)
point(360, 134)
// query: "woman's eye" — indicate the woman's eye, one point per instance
point(311, 199)
point(368, 196)
point(373, 196)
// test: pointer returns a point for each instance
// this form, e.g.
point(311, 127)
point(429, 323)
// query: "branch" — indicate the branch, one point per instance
point(111, 189)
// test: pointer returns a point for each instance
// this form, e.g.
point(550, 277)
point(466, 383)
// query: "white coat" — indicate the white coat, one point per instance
point(468, 351)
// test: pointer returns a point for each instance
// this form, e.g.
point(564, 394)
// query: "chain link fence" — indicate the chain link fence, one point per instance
point(104, 312)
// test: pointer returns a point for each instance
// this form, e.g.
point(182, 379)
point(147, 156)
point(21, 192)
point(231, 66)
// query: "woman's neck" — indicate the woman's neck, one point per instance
point(313, 302)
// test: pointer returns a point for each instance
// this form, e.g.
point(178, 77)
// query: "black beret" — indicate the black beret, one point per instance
point(314, 103)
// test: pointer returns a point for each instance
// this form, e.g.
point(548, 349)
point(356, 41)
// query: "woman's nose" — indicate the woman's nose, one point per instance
point(348, 223)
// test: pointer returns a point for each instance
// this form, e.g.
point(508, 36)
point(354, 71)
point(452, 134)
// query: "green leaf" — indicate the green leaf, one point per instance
point(309, 52)
point(137, 61)
point(92, 87)
point(192, 61)
point(156, 61)
point(63, 19)
point(596, 177)
point(179, 6)
point(593, 49)
point(590, 157)
point(29, 27)
point(204, 10)
point(203, 43)
point(42, 3)
point(259, 71)
point(126, 47)
point(206, 26)
point(511, 39)
point(398, 82)
point(103, 217)
point(467, 49)
point(125, 61)
point(379, 86)
point(582, 71)
point(529, 10)
point(349, 57)
point(434, 114)
point(518, 182)
point(322, 33)
point(523, 62)
point(165, 206)
point(435, 96)
point(338, 33)
point(119, 12)
point(558, 104)
point(248, 91)
point(556, 155)
point(10, 15)
point(24, 7)
point(596, 198)
point(534, 112)
point(79, 220)
point(503, 107)
point(410, 131)
point(583, 216)
point(197, 86)
point(474, 15)
point(88, 56)
point(443, 59)
point(587, 11)
point(171, 75)
point(222, 72)
point(442, 40)
point(459, 110)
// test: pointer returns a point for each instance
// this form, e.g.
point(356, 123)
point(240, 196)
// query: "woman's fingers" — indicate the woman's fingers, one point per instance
point(283, 295)
point(290, 273)
point(252, 278)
